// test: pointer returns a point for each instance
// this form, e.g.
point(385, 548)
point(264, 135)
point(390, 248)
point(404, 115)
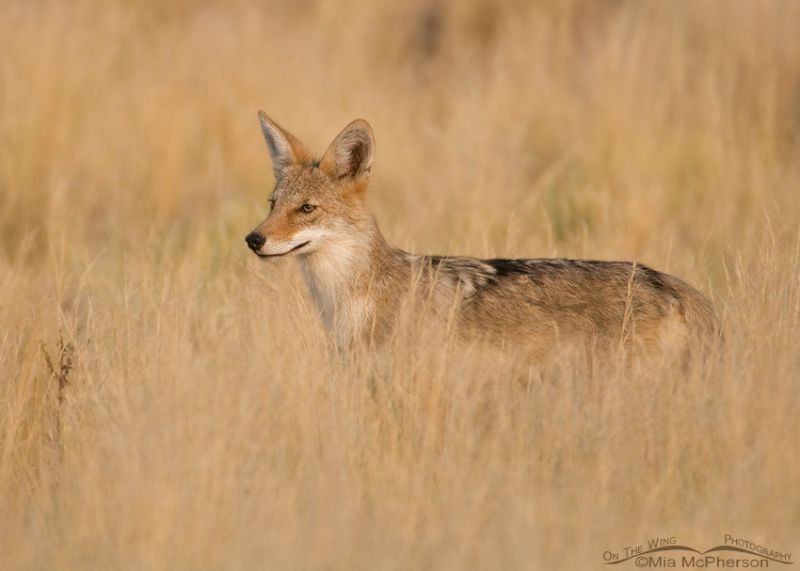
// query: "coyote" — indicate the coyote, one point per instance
point(358, 281)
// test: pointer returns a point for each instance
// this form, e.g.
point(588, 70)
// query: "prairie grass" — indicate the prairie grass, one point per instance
point(199, 419)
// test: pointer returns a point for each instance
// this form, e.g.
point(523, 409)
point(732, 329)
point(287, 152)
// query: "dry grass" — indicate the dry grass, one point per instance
point(204, 424)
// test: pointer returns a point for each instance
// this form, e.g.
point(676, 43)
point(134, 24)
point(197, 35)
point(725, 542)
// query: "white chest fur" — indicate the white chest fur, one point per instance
point(332, 275)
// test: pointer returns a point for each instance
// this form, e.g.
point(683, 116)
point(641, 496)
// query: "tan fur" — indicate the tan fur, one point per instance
point(359, 282)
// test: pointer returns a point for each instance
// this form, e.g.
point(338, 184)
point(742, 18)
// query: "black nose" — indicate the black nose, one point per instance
point(255, 240)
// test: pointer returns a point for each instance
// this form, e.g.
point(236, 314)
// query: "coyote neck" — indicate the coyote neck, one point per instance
point(340, 277)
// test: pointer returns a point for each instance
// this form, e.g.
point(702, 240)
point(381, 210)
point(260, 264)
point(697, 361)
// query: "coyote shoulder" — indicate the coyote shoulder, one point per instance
point(359, 282)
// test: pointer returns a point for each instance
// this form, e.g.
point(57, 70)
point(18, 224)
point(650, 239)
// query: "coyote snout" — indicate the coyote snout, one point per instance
point(255, 241)
point(358, 281)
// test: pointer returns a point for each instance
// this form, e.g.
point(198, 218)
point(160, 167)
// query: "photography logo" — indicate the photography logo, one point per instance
point(666, 553)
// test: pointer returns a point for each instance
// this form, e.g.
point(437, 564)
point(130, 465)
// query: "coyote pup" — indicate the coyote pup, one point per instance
point(358, 281)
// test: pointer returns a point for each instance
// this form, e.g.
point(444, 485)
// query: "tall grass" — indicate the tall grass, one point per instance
point(203, 423)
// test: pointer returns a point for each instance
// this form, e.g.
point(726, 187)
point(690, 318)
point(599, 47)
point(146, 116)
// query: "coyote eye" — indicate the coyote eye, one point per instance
point(308, 208)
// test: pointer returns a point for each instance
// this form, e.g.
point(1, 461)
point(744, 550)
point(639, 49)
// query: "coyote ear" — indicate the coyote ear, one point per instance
point(350, 153)
point(284, 148)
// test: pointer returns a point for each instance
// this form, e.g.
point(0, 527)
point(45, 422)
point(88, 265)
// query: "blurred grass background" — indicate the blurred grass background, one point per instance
point(204, 424)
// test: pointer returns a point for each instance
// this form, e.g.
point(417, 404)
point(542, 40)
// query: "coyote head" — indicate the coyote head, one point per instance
point(315, 203)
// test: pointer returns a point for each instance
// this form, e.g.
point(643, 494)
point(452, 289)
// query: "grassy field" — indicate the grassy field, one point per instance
point(168, 401)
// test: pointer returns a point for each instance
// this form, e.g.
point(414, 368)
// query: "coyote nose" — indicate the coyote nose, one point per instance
point(255, 240)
